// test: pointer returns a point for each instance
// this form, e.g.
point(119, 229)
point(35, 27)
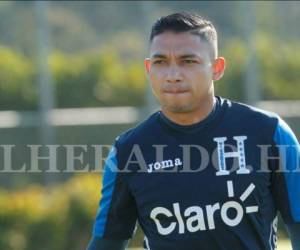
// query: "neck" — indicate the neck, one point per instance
point(192, 117)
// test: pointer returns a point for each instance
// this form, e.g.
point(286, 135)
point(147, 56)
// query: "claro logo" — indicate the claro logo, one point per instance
point(192, 219)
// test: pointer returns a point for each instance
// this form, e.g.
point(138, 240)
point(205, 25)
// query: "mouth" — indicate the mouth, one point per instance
point(175, 91)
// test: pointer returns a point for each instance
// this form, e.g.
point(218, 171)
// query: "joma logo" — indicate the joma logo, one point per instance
point(164, 164)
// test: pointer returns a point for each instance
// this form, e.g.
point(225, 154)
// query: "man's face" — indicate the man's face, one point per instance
point(180, 70)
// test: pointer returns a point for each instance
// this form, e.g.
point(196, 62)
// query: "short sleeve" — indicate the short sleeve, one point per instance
point(116, 216)
point(286, 184)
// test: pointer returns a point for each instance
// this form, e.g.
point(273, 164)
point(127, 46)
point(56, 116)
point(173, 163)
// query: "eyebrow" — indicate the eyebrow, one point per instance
point(159, 56)
point(182, 56)
point(189, 56)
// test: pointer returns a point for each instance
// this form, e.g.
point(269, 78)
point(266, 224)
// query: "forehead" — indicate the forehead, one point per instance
point(179, 43)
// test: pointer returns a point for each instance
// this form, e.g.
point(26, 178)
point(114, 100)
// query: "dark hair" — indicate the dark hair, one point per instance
point(184, 21)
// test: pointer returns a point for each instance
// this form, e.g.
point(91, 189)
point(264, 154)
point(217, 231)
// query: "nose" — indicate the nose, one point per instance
point(174, 74)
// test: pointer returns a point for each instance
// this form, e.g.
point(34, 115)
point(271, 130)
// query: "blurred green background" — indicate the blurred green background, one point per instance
point(71, 73)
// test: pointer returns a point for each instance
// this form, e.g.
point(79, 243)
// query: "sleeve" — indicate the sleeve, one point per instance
point(116, 217)
point(286, 181)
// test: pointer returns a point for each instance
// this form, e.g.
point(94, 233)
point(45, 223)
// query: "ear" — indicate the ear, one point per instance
point(147, 64)
point(218, 68)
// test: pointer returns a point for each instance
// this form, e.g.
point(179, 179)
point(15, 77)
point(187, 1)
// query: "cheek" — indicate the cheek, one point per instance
point(155, 84)
point(201, 81)
point(205, 75)
point(156, 79)
point(205, 71)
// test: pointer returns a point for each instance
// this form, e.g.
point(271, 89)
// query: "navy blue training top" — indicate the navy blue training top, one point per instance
point(214, 185)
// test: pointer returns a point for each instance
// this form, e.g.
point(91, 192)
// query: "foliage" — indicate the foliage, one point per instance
point(278, 77)
point(17, 90)
point(57, 218)
point(89, 80)
point(112, 77)
point(231, 85)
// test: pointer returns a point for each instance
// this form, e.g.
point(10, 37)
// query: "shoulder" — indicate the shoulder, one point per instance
point(257, 122)
point(251, 114)
point(140, 133)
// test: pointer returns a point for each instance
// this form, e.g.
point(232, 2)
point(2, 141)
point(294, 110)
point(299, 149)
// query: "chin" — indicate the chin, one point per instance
point(179, 108)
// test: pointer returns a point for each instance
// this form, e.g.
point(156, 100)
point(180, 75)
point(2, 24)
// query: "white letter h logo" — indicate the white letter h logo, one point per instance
point(240, 154)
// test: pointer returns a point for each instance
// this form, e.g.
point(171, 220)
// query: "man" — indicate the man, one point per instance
point(203, 173)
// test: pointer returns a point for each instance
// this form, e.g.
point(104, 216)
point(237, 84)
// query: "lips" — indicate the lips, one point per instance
point(175, 90)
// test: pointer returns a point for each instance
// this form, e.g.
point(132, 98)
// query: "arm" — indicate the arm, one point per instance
point(116, 217)
point(288, 182)
point(294, 232)
point(97, 243)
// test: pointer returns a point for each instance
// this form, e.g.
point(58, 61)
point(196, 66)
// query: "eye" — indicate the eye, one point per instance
point(189, 61)
point(158, 62)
